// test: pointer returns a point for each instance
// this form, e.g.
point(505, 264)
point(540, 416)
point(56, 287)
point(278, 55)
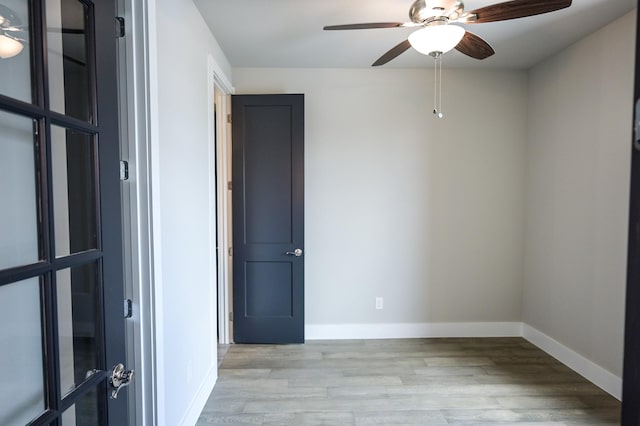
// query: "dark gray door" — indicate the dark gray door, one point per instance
point(631, 374)
point(61, 291)
point(268, 218)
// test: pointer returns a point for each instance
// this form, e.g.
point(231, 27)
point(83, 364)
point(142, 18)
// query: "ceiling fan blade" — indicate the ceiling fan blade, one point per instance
point(393, 53)
point(365, 26)
point(474, 46)
point(516, 9)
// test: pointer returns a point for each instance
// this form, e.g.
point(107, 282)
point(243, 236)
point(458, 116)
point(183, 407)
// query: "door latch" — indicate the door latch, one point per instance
point(119, 379)
point(124, 170)
point(120, 28)
point(128, 308)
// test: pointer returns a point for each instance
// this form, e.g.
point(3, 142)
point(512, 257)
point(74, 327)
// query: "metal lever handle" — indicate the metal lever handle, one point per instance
point(297, 253)
point(119, 379)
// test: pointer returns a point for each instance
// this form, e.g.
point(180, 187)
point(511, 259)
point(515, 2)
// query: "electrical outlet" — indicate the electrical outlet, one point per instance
point(379, 303)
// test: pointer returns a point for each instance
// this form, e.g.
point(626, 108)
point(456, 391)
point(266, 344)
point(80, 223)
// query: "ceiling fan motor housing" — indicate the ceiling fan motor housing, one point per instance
point(424, 10)
point(7, 18)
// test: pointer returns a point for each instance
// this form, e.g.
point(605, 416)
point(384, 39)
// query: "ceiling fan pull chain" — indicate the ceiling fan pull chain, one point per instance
point(437, 84)
point(440, 114)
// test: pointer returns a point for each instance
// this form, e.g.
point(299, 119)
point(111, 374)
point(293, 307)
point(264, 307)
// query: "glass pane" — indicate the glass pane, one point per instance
point(15, 62)
point(22, 382)
point(84, 412)
point(76, 291)
point(67, 58)
point(74, 194)
point(19, 213)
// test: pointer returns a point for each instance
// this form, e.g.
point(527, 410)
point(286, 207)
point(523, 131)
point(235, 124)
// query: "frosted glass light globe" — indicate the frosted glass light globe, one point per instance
point(436, 38)
point(9, 47)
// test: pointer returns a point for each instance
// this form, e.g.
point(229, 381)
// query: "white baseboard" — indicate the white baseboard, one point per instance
point(412, 330)
point(201, 397)
point(609, 382)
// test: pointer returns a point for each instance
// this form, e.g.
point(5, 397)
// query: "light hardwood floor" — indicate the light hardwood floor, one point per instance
point(403, 382)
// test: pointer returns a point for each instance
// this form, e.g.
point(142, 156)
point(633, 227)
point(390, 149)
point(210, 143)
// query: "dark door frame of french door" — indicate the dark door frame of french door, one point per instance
point(631, 371)
point(101, 130)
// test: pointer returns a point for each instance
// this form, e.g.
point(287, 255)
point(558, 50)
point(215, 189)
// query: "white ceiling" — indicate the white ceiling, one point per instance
point(288, 33)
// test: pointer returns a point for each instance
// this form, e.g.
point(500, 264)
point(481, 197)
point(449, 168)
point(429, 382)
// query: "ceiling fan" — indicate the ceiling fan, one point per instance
point(11, 38)
point(439, 33)
point(14, 35)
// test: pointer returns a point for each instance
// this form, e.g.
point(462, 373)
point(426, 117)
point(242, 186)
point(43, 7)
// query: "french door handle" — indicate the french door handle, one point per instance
point(297, 253)
point(119, 378)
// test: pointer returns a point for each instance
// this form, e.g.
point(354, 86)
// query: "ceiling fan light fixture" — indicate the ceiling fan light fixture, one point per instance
point(9, 47)
point(436, 38)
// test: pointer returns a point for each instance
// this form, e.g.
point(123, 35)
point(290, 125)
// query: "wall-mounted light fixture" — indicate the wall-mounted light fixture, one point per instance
point(10, 30)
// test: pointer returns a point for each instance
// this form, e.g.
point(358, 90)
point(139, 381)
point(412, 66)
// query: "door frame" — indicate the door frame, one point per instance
point(220, 91)
point(136, 54)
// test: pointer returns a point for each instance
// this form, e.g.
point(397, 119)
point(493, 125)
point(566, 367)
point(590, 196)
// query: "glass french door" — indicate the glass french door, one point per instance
point(61, 292)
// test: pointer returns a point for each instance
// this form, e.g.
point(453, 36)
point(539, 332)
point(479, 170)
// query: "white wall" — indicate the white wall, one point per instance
point(182, 197)
point(426, 213)
point(578, 158)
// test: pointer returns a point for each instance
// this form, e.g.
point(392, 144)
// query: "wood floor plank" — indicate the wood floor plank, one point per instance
point(415, 417)
point(403, 382)
point(309, 419)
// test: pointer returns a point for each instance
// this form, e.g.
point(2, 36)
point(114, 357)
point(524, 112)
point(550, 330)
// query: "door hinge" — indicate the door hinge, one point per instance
point(230, 251)
point(124, 170)
point(230, 186)
point(120, 28)
point(229, 118)
point(230, 316)
point(636, 127)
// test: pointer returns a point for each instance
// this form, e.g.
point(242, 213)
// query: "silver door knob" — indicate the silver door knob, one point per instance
point(297, 253)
